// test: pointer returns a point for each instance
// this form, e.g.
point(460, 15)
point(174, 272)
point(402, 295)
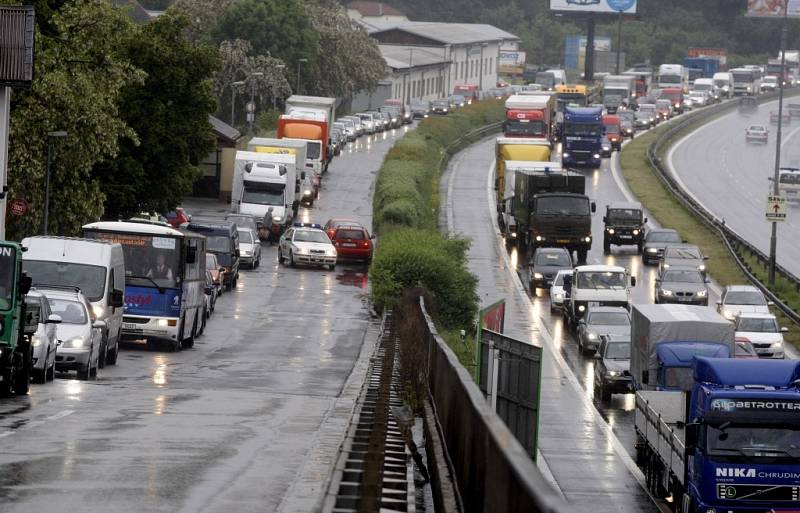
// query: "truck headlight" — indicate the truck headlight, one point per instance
point(587, 239)
point(702, 293)
point(652, 250)
point(565, 155)
point(581, 308)
point(636, 232)
point(277, 219)
point(728, 314)
point(596, 155)
point(537, 276)
point(613, 374)
point(606, 148)
point(539, 238)
point(162, 323)
point(666, 293)
point(612, 231)
point(98, 310)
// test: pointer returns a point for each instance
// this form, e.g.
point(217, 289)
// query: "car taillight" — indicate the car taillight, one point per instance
point(365, 244)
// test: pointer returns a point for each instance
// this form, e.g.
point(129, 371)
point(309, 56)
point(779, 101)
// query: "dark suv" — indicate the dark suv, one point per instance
point(624, 226)
point(612, 371)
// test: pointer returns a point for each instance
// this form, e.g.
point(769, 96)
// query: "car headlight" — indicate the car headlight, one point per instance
point(591, 336)
point(612, 231)
point(246, 253)
point(559, 296)
point(537, 276)
point(76, 343)
point(444, 110)
point(666, 266)
point(36, 341)
point(701, 267)
point(587, 239)
point(596, 155)
point(666, 293)
point(636, 232)
point(581, 308)
point(307, 192)
point(98, 310)
point(539, 238)
point(277, 219)
point(652, 250)
point(606, 148)
point(331, 252)
point(565, 155)
point(702, 293)
point(728, 314)
point(302, 251)
point(613, 374)
point(778, 344)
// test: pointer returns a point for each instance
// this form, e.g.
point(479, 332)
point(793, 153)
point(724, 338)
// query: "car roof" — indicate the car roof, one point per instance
point(755, 315)
point(600, 268)
point(762, 127)
point(625, 205)
point(682, 245)
point(61, 293)
point(741, 288)
point(608, 309)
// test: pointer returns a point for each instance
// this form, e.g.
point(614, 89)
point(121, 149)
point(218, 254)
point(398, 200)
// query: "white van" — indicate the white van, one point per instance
point(724, 82)
point(96, 267)
point(560, 77)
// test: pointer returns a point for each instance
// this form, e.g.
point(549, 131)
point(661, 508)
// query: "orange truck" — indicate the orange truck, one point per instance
point(613, 130)
point(310, 119)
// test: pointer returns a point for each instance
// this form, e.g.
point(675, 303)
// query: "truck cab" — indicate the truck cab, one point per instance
point(598, 285)
point(613, 130)
point(582, 137)
point(16, 362)
point(624, 225)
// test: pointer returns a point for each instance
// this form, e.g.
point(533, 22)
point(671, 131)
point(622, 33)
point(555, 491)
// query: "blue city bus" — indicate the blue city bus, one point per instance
point(164, 280)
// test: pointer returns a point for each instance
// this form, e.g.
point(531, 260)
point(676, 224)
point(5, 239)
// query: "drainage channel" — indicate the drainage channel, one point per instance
point(374, 471)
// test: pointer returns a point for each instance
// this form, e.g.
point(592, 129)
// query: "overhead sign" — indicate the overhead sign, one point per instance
point(608, 6)
point(776, 208)
point(773, 8)
point(721, 54)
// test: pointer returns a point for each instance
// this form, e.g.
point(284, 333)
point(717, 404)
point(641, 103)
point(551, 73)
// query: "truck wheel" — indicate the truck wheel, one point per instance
point(101, 358)
point(189, 342)
point(111, 357)
point(22, 378)
point(606, 247)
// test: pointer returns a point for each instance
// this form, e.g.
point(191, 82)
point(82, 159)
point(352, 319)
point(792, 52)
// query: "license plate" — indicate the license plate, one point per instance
point(128, 326)
point(563, 241)
point(348, 245)
point(625, 236)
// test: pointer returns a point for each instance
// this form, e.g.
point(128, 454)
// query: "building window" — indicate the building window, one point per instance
point(490, 65)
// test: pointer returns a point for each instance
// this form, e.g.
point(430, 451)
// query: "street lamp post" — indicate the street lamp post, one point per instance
point(234, 85)
point(251, 116)
point(299, 62)
point(279, 66)
point(50, 137)
point(619, 41)
point(773, 241)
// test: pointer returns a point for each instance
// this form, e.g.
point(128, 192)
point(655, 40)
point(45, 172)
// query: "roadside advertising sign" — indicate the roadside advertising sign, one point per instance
point(773, 8)
point(493, 318)
point(721, 54)
point(602, 6)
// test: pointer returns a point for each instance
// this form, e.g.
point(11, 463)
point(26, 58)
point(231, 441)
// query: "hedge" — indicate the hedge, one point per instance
point(412, 252)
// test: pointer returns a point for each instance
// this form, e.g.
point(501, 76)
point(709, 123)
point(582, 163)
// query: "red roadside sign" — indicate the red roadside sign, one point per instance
point(18, 207)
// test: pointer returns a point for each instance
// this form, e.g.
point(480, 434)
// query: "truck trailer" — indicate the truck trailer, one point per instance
point(530, 116)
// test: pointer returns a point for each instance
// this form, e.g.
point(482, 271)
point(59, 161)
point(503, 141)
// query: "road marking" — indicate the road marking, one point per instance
point(545, 335)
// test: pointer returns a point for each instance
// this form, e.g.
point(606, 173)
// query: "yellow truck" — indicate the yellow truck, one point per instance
point(513, 149)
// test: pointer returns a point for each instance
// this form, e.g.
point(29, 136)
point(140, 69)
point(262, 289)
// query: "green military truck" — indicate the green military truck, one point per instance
point(16, 359)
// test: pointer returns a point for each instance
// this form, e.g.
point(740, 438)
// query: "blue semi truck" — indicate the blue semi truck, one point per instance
point(707, 66)
point(582, 137)
point(729, 444)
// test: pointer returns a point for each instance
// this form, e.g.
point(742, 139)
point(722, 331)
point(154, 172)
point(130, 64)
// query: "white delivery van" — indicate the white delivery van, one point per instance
point(96, 267)
point(724, 82)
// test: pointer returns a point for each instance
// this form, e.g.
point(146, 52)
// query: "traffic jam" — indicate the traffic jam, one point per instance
point(154, 280)
point(727, 356)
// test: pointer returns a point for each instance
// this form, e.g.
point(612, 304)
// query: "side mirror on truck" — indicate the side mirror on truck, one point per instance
point(692, 434)
point(633, 281)
point(645, 377)
point(594, 207)
point(117, 299)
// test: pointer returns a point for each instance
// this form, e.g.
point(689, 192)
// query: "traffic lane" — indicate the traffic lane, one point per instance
point(591, 468)
point(731, 177)
point(226, 424)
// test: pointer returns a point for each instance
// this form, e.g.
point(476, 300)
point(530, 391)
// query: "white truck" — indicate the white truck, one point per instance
point(595, 285)
point(265, 180)
point(310, 118)
point(667, 337)
point(673, 75)
point(618, 86)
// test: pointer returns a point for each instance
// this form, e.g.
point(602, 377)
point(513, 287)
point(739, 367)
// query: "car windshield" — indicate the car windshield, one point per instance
point(554, 259)
point(678, 377)
point(790, 178)
point(745, 297)
point(646, 109)
point(757, 325)
point(559, 281)
point(350, 234)
point(219, 243)
point(625, 214)
point(313, 150)
point(663, 104)
point(618, 351)
point(702, 87)
point(757, 129)
point(600, 279)
point(311, 236)
point(683, 276)
point(440, 103)
point(262, 196)
point(91, 279)
point(720, 83)
point(563, 205)
point(71, 312)
point(246, 236)
point(670, 79)
point(211, 262)
point(608, 319)
point(9, 260)
point(663, 237)
point(685, 253)
point(612, 129)
point(584, 130)
point(754, 442)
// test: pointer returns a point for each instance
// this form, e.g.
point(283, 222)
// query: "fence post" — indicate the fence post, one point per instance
point(490, 374)
point(495, 363)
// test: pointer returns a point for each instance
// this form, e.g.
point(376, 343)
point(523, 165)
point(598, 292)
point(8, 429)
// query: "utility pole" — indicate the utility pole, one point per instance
point(773, 241)
point(5, 115)
point(234, 85)
point(619, 42)
point(589, 64)
point(299, 62)
point(251, 116)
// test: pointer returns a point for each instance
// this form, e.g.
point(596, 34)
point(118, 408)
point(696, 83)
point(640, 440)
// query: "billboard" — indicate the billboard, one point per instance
point(721, 54)
point(773, 8)
point(511, 62)
point(608, 6)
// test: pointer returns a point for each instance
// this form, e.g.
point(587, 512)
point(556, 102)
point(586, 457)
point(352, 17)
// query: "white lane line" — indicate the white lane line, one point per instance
point(545, 335)
point(60, 415)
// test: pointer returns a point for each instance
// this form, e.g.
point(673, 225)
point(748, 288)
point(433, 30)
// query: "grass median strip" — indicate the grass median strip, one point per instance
point(670, 213)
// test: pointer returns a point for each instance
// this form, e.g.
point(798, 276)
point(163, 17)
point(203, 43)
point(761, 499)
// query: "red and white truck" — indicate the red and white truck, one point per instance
point(530, 116)
point(310, 118)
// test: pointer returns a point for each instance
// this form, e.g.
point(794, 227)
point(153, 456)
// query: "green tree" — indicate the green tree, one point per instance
point(79, 75)
point(169, 114)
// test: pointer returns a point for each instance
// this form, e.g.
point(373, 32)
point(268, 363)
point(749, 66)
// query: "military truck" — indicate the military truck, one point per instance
point(16, 358)
point(624, 225)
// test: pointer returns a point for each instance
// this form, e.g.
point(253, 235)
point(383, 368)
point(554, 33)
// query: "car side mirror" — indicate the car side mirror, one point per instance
point(101, 325)
point(54, 319)
point(645, 377)
point(372, 236)
point(297, 188)
point(784, 329)
point(719, 303)
point(769, 303)
point(605, 219)
point(597, 356)
point(207, 290)
point(191, 255)
point(582, 322)
point(645, 220)
point(302, 175)
point(707, 281)
point(633, 281)
point(117, 299)
point(706, 258)
point(25, 284)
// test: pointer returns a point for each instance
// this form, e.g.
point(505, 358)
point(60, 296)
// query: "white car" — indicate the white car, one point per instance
point(738, 299)
point(761, 330)
point(557, 290)
point(42, 322)
point(699, 98)
point(306, 243)
point(249, 248)
point(80, 335)
point(756, 133)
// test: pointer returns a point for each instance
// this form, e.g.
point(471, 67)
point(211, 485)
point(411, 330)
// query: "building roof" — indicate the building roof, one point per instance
point(224, 130)
point(445, 33)
point(134, 10)
point(404, 57)
point(374, 9)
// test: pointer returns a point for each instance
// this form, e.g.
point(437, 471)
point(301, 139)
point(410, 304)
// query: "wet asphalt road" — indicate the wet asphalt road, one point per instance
point(225, 426)
point(730, 177)
point(592, 467)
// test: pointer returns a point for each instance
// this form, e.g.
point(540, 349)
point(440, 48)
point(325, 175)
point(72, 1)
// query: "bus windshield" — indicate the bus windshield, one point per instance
point(149, 259)
point(91, 279)
point(670, 79)
point(8, 264)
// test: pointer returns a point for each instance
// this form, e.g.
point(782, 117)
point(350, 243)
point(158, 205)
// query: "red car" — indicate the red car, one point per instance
point(332, 224)
point(178, 217)
point(352, 242)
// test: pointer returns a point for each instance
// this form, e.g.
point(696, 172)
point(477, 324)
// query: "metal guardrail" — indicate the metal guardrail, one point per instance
point(735, 244)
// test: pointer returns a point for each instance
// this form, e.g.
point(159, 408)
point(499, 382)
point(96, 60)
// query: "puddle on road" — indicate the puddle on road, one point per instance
point(353, 278)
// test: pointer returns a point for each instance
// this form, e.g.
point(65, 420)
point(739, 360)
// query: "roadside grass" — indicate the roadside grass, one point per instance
point(670, 213)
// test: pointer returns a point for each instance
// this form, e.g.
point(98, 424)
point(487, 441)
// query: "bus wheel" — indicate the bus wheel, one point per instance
point(189, 342)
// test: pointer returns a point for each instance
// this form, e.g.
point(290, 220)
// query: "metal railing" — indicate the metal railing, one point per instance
point(737, 246)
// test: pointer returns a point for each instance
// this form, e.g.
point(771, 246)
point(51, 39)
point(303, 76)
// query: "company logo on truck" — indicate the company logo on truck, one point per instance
point(735, 472)
point(732, 405)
